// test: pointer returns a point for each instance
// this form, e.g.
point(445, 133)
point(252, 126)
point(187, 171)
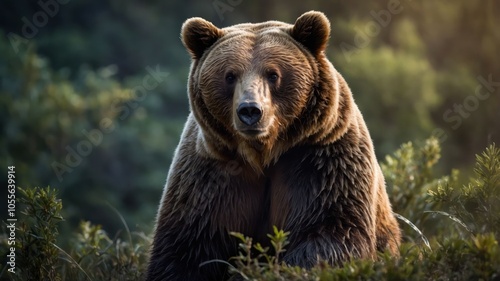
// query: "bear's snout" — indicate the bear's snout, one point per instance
point(249, 113)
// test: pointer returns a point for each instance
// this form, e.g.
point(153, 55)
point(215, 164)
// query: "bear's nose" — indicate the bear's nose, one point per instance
point(249, 113)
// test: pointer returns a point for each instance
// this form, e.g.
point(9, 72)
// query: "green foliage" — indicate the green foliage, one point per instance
point(475, 205)
point(406, 90)
point(37, 235)
point(410, 174)
point(252, 268)
point(92, 256)
point(97, 256)
point(453, 259)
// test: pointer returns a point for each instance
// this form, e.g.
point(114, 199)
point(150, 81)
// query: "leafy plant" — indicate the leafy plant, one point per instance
point(102, 258)
point(410, 174)
point(264, 265)
point(38, 255)
point(453, 259)
point(93, 255)
point(475, 205)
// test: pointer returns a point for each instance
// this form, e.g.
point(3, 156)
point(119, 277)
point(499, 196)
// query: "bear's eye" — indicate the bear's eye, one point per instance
point(272, 77)
point(230, 78)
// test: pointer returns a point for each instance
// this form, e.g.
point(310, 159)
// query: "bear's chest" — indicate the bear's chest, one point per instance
point(245, 204)
point(253, 203)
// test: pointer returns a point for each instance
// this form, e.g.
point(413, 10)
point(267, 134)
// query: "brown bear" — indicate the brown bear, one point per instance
point(274, 138)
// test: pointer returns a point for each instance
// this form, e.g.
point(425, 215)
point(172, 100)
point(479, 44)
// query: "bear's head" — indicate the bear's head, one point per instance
point(259, 89)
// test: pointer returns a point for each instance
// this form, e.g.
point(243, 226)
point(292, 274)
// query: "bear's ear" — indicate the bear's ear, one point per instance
point(312, 30)
point(198, 35)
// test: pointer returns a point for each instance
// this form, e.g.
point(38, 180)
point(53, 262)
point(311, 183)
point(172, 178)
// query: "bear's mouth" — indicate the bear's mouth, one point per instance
point(257, 131)
point(252, 132)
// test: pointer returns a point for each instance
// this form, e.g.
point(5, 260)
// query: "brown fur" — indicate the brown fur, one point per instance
point(310, 169)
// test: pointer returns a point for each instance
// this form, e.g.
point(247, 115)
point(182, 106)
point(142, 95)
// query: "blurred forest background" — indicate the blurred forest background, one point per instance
point(93, 93)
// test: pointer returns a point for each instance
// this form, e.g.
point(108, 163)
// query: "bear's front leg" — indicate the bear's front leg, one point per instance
point(205, 199)
point(328, 245)
point(181, 254)
point(327, 205)
point(189, 234)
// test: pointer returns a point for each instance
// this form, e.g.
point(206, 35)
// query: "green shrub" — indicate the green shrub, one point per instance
point(93, 254)
point(410, 173)
point(453, 259)
point(37, 235)
point(99, 257)
point(475, 205)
